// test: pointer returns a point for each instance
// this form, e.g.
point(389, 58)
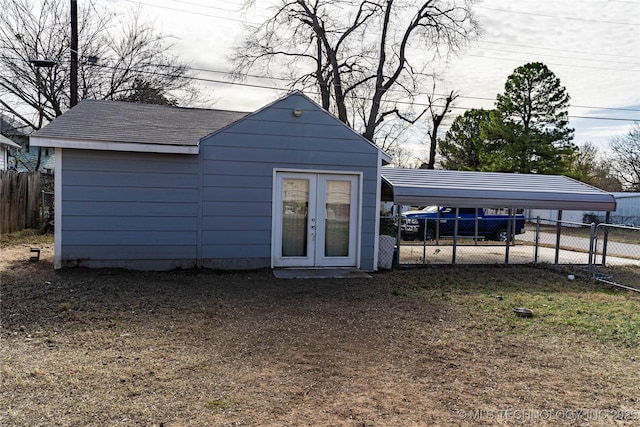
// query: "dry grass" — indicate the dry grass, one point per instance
point(414, 347)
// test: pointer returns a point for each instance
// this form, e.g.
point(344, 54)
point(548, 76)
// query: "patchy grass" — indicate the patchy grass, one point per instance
point(561, 306)
point(222, 404)
point(435, 346)
point(25, 237)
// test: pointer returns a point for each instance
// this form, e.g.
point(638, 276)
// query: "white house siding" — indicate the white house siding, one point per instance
point(627, 212)
point(237, 177)
point(3, 157)
point(552, 215)
point(129, 210)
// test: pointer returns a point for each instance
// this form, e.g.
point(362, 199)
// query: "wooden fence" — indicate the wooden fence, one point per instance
point(19, 200)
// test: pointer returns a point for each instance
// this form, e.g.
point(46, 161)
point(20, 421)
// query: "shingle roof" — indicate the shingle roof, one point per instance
point(125, 122)
point(6, 141)
point(493, 190)
point(13, 127)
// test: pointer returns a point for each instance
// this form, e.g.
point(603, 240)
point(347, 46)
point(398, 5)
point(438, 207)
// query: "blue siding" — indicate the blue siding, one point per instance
point(237, 177)
point(123, 179)
point(129, 223)
point(129, 210)
point(162, 211)
point(236, 223)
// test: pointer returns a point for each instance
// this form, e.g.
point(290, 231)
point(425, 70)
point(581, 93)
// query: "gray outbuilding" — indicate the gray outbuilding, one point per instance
point(155, 187)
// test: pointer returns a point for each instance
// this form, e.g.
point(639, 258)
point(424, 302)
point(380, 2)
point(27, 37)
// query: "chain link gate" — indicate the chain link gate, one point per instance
point(615, 253)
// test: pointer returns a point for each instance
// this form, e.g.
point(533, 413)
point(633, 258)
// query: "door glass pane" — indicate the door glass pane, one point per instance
point(338, 213)
point(295, 215)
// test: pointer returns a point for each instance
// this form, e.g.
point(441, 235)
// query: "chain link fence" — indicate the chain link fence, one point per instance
point(600, 251)
point(47, 214)
point(616, 255)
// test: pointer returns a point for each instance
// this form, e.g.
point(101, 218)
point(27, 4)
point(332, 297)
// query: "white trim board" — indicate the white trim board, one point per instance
point(113, 146)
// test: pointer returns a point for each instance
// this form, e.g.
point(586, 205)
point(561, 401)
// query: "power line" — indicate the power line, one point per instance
point(604, 118)
point(207, 70)
point(556, 64)
point(563, 57)
point(280, 89)
point(262, 86)
point(558, 17)
point(243, 21)
point(559, 50)
point(482, 98)
point(253, 23)
point(228, 73)
point(205, 6)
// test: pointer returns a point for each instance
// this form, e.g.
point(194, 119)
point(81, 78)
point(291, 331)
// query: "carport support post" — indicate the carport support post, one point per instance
point(475, 238)
point(424, 242)
point(558, 233)
point(437, 226)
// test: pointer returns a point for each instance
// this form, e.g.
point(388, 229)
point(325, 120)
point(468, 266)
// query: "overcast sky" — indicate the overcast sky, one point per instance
point(593, 46)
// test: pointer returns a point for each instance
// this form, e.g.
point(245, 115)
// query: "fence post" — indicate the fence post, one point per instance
point(592, 236)
point(424, 242)
point(605, 238)
point(399, 231)
point(558, 233)
point(508, 239)
point(455, 237)
point(537, 242)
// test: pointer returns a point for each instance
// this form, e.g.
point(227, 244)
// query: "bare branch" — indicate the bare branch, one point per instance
point(357, 51)
point(40, 30)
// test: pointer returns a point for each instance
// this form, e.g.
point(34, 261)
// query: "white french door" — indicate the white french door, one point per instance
point(315, 220)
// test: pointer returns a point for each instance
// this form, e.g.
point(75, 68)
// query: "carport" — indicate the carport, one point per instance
point(511, 191)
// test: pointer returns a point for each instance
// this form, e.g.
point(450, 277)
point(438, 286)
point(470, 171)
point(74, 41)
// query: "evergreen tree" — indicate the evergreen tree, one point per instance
point(462, 147)
point(528, 131)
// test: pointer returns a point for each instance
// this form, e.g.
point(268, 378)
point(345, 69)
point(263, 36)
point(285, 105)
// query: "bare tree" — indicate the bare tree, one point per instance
point(589, 165)
point(625, 157)
point(437, 114)
point(367, 59)
point(112, 63)
point(402, 158)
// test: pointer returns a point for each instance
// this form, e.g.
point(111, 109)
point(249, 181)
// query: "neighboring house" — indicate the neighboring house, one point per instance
point(5, 145)
point(25, 159)
point(627, 212)
point(154, 187)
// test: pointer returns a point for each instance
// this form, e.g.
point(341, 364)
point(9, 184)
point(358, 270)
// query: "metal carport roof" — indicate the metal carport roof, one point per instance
point(468, 189)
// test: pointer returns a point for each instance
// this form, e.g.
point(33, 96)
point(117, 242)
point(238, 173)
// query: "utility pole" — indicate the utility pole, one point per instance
point(73, 97)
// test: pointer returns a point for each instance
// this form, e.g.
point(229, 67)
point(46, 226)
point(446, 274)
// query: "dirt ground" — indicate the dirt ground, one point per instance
point(204, 348)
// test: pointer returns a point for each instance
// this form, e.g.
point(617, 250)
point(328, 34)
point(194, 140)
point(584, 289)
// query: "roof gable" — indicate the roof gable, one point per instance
point(13, 127)
point(296, 114)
